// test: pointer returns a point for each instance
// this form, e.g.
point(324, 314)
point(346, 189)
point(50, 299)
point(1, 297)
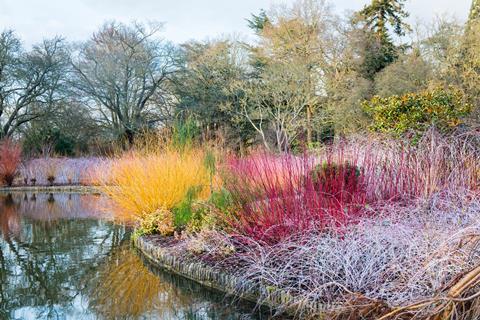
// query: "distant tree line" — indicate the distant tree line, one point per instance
point(310, 74)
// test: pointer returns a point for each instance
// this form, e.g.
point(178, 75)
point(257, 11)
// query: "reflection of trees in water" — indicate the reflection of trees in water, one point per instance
point(208, 304)
point(42, 265)
point(9, 219)
point(52, 207)
point(127, 287)
point(55, 263)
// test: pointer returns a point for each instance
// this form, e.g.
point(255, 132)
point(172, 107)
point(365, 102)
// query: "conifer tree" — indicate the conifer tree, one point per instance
point(380, 49)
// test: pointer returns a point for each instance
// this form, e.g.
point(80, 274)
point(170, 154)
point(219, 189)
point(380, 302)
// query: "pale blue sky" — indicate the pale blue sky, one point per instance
point(185, 19)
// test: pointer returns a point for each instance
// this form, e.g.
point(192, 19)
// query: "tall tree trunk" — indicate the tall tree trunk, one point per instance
point(309, 125)
point(130, 137)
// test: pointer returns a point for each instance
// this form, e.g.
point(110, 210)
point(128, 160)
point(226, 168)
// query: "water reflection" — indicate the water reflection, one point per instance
point(59, 260)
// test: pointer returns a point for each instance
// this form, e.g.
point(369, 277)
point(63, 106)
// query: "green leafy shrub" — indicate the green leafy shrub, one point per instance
point(158, 222)
point(183, 212)
point(416, 112)
point(206, 213)
point(194, 216)
point(203, 218)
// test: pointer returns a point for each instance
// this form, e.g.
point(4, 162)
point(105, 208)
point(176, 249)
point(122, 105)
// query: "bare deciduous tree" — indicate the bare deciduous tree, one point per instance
point(307, 34)
point(120, 71)
point(28, 80)
point(277, 102)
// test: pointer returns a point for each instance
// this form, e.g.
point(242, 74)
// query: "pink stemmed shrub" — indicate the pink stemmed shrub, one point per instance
point(10, 159)
point(276, 196)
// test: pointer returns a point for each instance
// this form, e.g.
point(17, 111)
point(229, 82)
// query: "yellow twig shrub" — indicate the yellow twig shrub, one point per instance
point(144, 183)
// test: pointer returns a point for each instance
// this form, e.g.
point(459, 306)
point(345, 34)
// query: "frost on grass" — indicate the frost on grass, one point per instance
point(402, 256)
point(65, 171)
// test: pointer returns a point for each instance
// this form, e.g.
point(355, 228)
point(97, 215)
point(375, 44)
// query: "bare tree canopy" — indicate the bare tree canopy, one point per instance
point(276, 102)
point(28, 80)
point(302, 80)
point(120, 71)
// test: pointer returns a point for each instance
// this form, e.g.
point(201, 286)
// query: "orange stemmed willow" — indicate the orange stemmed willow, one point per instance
point(143, 183)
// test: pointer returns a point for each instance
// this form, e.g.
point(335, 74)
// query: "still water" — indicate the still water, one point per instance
point(62, 258)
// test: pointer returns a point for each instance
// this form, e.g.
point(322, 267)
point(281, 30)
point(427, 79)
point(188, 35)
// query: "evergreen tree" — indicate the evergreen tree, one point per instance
point(379, 48)
point(382, 13)
point(258, 22)
point(474, 11)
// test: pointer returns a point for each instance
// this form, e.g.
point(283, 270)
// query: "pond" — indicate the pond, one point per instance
point(62, 258)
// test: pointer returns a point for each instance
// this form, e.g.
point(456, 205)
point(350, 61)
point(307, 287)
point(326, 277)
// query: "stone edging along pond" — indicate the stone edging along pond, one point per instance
point(66, 189)
point(215, 279)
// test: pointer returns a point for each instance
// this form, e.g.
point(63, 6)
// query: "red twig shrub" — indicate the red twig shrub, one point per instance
point(276, 196)
point(10, 158)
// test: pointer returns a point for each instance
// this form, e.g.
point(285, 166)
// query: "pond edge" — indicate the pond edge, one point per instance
point(220, 280)
point(49, 189)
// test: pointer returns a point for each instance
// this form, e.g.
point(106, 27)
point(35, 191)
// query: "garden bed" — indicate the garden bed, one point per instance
point(162, 253)
point(388, 264)
point(359, 230)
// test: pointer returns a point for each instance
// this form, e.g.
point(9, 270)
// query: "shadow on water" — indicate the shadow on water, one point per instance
point(62, 258)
